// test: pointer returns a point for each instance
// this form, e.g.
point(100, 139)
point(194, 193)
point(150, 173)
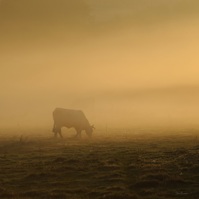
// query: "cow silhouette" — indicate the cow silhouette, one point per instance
point(71, 119)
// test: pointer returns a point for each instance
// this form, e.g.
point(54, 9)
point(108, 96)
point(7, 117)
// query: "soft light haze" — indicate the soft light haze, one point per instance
point(125, 63)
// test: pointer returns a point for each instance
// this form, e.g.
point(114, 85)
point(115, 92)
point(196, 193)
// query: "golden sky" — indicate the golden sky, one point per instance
point(76, 53)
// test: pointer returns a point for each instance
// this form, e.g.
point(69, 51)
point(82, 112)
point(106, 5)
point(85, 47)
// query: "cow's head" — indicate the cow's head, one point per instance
point(89, 130)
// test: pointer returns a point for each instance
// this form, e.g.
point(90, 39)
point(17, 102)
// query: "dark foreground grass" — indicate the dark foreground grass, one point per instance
point(133, 166)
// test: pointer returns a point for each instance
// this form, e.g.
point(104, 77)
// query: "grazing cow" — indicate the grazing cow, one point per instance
point(71, 118)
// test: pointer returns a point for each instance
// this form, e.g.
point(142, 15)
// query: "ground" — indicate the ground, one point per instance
point(114, 164)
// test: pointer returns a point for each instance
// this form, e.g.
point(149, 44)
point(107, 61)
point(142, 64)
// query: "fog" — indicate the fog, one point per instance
point(124, 63)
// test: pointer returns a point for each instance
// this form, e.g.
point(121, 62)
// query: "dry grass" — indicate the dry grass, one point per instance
point(110, 166)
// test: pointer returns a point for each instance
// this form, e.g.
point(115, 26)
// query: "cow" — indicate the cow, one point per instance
point(71, 118)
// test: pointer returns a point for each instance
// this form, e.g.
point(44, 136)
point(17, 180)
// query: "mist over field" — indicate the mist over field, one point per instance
point(124, 63)
point(131, 66)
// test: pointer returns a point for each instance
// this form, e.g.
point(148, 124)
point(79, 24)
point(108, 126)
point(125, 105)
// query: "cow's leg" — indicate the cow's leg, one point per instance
point(55, 130)
point(78, 135)
point(55, 134)
point(59, 131)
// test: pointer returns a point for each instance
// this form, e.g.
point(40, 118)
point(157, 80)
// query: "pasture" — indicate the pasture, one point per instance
point(114, 164)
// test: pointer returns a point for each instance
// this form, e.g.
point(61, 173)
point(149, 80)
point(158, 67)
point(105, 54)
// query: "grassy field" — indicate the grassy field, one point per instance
point(113, 165)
